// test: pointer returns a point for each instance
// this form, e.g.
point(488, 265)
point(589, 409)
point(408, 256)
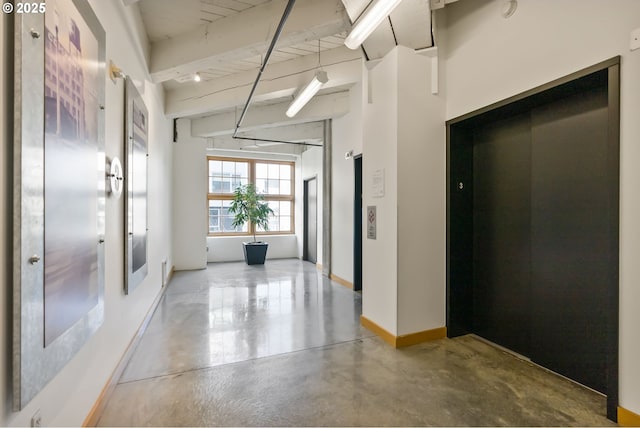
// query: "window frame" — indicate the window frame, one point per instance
point(252, 180)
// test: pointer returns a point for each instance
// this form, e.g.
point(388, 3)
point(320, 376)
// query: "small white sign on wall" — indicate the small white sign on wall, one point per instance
point(377, 183)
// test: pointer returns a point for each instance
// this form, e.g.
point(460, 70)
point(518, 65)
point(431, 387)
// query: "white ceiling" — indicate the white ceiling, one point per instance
point(165, 19)
point(253, 63)
point(225, 40)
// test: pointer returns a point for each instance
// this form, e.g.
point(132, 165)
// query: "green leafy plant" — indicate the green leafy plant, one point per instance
point(249, 206)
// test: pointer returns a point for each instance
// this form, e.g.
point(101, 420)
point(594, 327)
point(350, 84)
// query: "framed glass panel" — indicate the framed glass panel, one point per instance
point(261, 170)
point(227, 219)
point(242, 170)
point(215, 167)
point(280, 221)
point(228, 168)
point(272, 179)
point(285, 222)
point(273, 187)
point(220, 220)
point(261, 185)
point(274, 171)
point(285, 172)
point(215, 216)
point(226, 176)
point(285, 187)
point(136, 167)
point(59, 176)
point(285, 208)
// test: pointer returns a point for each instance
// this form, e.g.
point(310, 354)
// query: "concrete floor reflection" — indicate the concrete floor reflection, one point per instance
point(232, 312)
point(280, 345)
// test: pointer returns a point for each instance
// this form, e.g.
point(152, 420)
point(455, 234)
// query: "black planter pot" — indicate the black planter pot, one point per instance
point(255, 252)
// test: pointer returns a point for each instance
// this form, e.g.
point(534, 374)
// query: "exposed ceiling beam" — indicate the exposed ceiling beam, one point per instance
point(297, 133)
point(311, 133)
point(355, 8)
point(381, 40)
point(411, 22)
point(244, 35)
point(282, 79)
point(235, 148)
point(321, 107)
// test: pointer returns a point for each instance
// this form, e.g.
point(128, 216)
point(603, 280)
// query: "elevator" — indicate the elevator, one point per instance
point(532, 226)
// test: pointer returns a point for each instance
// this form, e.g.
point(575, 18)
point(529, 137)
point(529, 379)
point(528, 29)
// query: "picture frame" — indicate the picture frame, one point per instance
point(136, 187)
point(59, 190)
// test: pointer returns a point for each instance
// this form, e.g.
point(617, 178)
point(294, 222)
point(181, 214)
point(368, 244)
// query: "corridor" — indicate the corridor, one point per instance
point(281, 345)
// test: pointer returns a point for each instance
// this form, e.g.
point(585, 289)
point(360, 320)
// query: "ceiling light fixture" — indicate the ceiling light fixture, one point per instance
point(196, 77)
point(369, 22)
point(307, 93)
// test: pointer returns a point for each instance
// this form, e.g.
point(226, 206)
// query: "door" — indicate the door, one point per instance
point(310, 251)
point(501, 232)
point(533, 226)
point(357, 224)
point(541, 237)
point(570, 238)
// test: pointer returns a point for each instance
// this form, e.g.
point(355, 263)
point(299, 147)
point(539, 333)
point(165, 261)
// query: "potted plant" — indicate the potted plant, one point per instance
point(248, 206)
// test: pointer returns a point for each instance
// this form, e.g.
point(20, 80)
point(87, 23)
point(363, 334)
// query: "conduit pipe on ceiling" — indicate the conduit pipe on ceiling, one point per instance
point(276, 36)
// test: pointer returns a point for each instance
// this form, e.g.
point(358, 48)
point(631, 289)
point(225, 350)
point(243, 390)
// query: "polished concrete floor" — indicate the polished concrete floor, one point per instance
point(280, 345)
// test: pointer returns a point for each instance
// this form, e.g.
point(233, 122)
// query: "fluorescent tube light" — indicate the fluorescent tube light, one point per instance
point(307, 93)
point(369, 22)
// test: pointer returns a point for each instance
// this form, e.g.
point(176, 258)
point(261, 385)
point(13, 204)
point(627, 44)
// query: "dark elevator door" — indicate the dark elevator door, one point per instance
point(501, 224)
point(570, 240)
point(541, 238)
point(574, 231)
point(310, 220)
point(357, 224)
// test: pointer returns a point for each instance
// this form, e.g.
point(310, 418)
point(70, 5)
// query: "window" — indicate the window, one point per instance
point(273, 179)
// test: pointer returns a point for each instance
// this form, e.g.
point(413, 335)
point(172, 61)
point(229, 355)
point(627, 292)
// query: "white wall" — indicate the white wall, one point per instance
point(421, 197)
point(311, 166)
point(190, 205)
point(380, 139)
point(404, 267)
point(347, 135)
point(68, 398)
point(489, 58)
point(229, 248)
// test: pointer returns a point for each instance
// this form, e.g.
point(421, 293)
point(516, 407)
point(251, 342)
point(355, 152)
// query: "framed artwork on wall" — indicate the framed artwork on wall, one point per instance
point(137, 135)
point(59, 194)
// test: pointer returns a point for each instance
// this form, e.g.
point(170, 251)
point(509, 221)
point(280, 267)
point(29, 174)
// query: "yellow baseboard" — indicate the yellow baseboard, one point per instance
point(171, 273)
point(319, 266)
point(341, 281)
point(405, 339)
point(375, 328)
point(421, 336)
point(626, 418)
point(96, 410)
point(98, 407)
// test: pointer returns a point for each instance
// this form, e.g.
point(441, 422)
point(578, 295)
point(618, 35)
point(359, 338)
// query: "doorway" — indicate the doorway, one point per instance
point(357, 224)
point(532, 226)
point(310, 246)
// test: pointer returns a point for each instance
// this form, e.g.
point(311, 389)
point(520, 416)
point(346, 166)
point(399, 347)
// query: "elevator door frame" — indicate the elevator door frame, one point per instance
point(310, 216)
point(460, 185)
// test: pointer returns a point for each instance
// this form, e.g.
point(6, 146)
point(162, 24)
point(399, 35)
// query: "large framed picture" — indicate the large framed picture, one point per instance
point(137, 131)
point(59, 192)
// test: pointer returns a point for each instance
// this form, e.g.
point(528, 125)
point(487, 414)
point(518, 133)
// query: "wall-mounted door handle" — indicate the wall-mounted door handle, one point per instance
point(34, 259)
